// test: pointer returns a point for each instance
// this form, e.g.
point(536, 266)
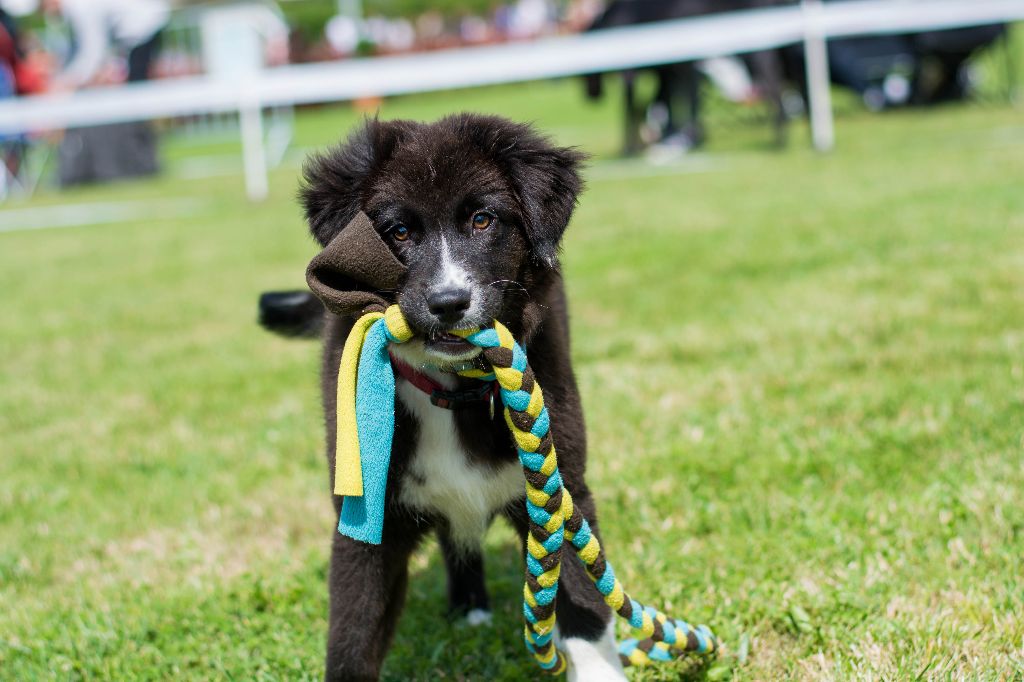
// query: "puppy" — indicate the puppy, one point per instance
point(475, 208)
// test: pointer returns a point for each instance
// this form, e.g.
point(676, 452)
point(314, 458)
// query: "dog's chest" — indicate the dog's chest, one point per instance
point(443, 480)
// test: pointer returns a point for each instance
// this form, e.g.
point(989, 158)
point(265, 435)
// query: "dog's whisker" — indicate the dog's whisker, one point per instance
point(513, 282)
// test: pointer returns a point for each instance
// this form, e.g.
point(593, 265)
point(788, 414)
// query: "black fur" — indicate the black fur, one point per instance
point(291, 313)
point(428, 178)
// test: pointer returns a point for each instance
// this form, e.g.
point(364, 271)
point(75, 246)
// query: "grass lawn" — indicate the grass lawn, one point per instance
point(814, 444)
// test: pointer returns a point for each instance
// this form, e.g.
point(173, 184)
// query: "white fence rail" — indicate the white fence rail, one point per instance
point(679, 40)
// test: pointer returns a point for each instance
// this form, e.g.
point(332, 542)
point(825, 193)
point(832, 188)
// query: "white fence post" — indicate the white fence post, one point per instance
point(254, 154)
point(819, 85)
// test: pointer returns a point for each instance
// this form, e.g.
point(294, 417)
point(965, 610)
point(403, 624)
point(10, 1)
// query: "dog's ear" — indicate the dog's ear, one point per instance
point(334, 181)
point(546, 178)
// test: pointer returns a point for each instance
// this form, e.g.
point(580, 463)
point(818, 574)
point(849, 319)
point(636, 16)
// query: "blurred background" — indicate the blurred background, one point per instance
point(814, 210)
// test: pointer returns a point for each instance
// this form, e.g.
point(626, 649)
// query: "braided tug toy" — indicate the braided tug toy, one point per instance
point(366, 389)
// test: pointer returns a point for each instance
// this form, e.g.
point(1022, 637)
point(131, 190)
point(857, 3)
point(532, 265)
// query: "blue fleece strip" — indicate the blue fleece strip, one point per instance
point(531, 460)
point(518, 358)
point(554, 541)
point(541, 640)
point(546, 595)
point(538, 515)
point(582, 537)
point(607, 581)
point(636, 619)
point(485, 338)
point(660, 654)
point(554, 483)
point(517, 400)
point(704, 637)
point(362, 518)
point(541, 425)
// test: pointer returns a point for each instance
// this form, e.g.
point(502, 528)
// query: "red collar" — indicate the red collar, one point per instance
point(442, 397)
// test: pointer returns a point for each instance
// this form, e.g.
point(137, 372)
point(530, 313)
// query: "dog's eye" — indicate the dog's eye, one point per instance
point(400, 232)
point(482, 220)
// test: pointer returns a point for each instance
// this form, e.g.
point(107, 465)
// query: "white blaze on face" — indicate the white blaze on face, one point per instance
point(452, 275)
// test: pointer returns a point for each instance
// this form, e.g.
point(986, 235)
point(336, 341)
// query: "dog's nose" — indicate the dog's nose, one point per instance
point(449, 305)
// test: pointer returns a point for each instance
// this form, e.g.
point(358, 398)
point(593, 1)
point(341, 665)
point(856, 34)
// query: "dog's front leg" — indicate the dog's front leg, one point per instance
point(467, 592)
point(367, 591)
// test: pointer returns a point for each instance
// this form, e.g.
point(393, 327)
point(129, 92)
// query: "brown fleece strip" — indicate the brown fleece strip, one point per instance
point(356, 270)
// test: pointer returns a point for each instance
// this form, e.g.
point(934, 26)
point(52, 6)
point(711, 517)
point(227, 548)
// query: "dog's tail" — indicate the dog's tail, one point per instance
point(296, 314)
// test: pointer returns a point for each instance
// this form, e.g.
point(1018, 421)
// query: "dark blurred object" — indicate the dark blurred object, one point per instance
point(886, 71)
point(9, 49)
point(109, 152)
point(142, 56)
point(896, 70)
point(918, 68)
point(120, 150)
point(679, 84)
point(12, 147)
point(941, 74)
point(878, 68)
point(297, 314)
point(28, 77)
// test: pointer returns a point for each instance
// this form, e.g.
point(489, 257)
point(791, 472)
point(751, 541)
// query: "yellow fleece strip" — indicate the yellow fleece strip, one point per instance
point(510, 378)
point(537, 496)
point(616, 597)
point(348, 472)
point(536, 401)
point(550, 577)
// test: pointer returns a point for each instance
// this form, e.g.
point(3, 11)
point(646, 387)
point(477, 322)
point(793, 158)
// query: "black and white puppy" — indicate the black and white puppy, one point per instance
point(475, 207)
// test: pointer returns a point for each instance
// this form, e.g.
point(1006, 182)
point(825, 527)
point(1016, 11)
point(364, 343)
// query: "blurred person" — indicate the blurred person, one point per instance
point(10, 145)
point(17, 77)
point(530, 18)
point(671, 123)
point(26, 68)
point(579, 14)
point(474, 30)
point(343, 35)
point(430, 29)
point(101, 29)
point(10, 51)
point(390, 35)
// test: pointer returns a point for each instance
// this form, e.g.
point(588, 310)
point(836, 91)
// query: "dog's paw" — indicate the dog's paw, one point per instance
point(590, 666)
point(478, 617)
point(593, 661)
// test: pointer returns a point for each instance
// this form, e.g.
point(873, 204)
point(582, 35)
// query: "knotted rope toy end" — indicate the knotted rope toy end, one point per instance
point(366, 394)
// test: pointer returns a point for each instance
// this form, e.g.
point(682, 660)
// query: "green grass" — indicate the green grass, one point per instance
point(803, 376)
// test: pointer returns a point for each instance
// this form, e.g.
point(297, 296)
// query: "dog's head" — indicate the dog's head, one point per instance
point(473, 206)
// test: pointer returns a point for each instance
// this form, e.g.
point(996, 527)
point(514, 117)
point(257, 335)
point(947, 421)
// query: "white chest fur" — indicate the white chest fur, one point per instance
point(446, 481)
